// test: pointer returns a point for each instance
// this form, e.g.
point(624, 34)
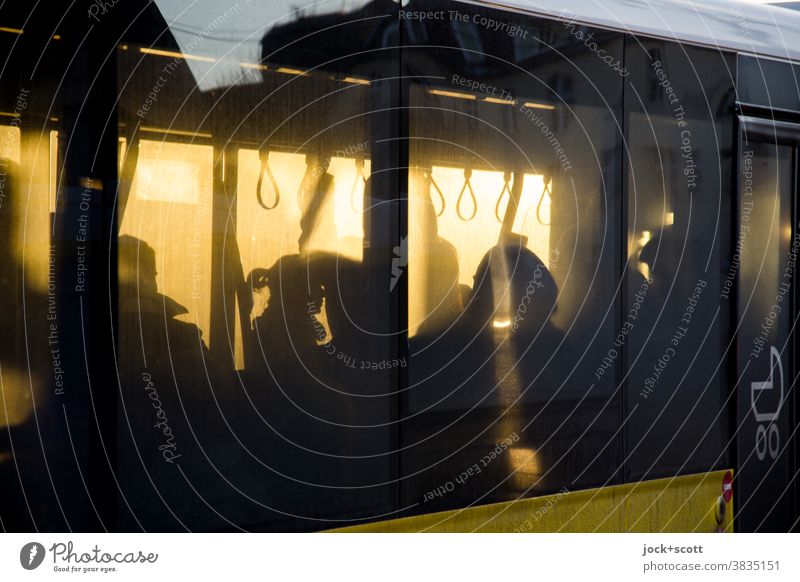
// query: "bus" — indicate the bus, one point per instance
point(371, 265)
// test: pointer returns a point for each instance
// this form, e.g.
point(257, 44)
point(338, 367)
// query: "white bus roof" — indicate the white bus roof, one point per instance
point(736, 25)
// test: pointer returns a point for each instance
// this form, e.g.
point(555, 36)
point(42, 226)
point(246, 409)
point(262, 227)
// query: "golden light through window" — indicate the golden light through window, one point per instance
point(266, 236)
point(472, 237)
point(170, 209)
point(10, 143)
point(26, 181)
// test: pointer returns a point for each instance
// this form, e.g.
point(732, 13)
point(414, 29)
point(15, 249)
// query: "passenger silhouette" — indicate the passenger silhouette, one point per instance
point(152, 334)
point(434, 350)
point(357, 379)
point(294, 367)
point(509, 315)
point(288, 330)
point(170, 436)
point(505, 335)
point(513, 291)
point(311, 349)
point(442, 299)
point(480, 386)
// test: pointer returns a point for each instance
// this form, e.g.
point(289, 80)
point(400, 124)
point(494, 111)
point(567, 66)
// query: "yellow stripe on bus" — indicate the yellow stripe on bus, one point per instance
point(692, 503)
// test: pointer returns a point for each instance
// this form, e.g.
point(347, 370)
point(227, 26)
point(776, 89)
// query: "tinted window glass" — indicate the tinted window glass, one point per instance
point(769, 244)
point(254, 308)
point(679, 108)
point(512, 232)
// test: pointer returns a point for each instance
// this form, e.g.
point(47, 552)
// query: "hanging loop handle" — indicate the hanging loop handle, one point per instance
point(467, 186)
point(431, 182)
point(359, 174)
point(506, 190)
point(545, 192)
point(265, 170)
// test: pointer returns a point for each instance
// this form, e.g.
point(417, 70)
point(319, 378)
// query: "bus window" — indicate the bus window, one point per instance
point(513, 250)
point(169, 209)
point(252, 291)
point(267, 235)
point(678, 220)
point(532, 221)
point(264, 236)
point(769, 244)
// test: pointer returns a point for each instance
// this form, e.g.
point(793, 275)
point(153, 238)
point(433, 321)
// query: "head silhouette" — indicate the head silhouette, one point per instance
point(137, 265)
point(513, 289)
point(442, 300)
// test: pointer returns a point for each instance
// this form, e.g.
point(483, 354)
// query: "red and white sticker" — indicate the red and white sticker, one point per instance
point(727, 487)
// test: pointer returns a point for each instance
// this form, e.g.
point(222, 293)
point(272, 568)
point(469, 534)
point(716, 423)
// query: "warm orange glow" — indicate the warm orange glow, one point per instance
point(533, 216)
point(11, 30)
point(534, 105)
point(646, 237)
point(254, 66)
point(16, 402)
point(188, 57)
point(453, 94)
point(122, 152)
point(471, 238)
point(10, 143)
point(53, 170)
point(472, 97)
point(525, 463)
point(170, 175)
point(170, 209)
point(289, 71)
point(266, 236)
point(356, 81)
point(25, 204)
point(168, 131)
point(30, 200)
point(499, 101)
point(299, 72)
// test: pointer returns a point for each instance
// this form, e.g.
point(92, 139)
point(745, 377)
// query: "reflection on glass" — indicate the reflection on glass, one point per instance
point(677, 239)
point(768, 252)
point(766, 208)
point(221, 35)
